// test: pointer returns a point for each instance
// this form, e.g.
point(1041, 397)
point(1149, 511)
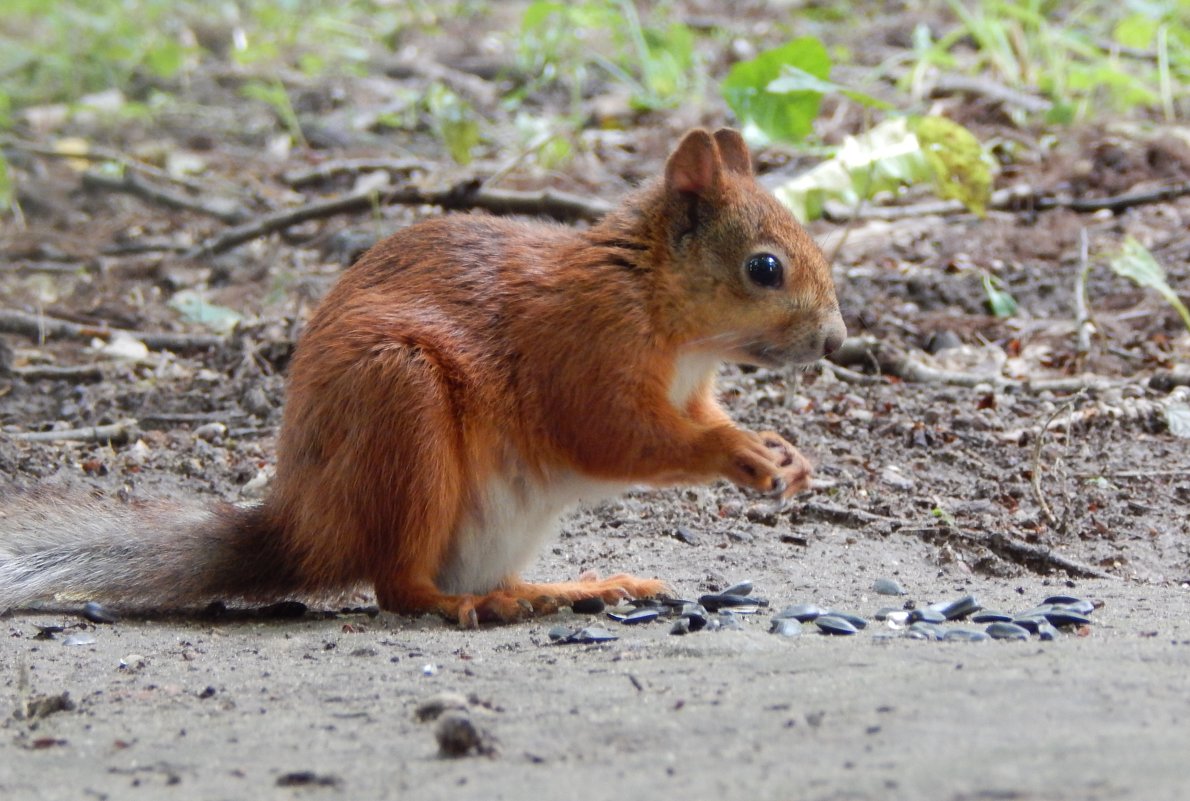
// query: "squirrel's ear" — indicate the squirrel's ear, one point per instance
point(694, 166)
point(733, 151)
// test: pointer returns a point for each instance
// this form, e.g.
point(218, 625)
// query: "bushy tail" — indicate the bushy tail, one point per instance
point(156, 554)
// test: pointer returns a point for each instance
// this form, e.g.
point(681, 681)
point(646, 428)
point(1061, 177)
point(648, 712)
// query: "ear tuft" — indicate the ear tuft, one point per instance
point(694, 166)
point(733, 151)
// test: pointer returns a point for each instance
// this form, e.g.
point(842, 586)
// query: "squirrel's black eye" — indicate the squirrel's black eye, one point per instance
point(765, 269)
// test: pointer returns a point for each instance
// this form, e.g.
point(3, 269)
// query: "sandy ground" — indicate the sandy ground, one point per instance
point(325, 707)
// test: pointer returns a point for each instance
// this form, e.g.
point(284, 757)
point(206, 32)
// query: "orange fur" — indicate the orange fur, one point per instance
point(464, 344)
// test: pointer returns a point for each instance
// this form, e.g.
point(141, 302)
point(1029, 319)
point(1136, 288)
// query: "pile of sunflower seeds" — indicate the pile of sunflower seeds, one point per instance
point(725, 610)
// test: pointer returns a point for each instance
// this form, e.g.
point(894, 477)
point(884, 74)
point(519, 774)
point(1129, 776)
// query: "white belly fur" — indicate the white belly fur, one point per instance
point(689, 373)
point(516, 516)
point(517, 513)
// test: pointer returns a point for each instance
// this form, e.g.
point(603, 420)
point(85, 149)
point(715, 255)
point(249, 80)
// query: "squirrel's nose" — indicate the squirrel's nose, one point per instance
point(834, 335)
point(832, 343)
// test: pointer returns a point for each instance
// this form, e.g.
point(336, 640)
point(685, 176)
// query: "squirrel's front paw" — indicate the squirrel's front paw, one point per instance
point(767, 463)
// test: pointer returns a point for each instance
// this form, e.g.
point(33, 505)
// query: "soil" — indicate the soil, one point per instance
point(949, 489)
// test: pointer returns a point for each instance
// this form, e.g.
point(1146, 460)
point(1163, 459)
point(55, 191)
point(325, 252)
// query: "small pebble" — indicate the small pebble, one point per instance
point(726, 621)
point(433, 707)
point(887, 586)
point(680, 626)
point(79, 638)
point(833, 624)
point(785, 627)
point(562, 635)
point(459, 736)
point(211, 432)
point(132, 663)
point(1007, 631)
point(991, 616)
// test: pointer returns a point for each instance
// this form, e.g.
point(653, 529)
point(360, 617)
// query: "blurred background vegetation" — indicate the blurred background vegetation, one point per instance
point(560, 67)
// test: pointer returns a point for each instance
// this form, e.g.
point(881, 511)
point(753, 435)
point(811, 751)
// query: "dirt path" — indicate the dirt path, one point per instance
point(325, 708)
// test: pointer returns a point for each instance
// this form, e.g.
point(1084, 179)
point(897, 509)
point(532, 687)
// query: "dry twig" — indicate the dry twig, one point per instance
point(116, 433)
point(41, 328)
point(1082, 313)
point(223, 209)
point(470, 195)
point(54, 372)
point(1014, 199)
point(1038, 442)
point(330, 169)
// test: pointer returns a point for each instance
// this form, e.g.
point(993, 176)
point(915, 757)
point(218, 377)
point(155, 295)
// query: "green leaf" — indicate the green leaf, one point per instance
point(454, 122)
point(194, 308)
point(956, 158)
point(1136, 30)
point(165, 59)
point(785, 116)
point(6, 188)
point(793, 79)
point(1134, 261)
point(1000, 302)
point(883, 159)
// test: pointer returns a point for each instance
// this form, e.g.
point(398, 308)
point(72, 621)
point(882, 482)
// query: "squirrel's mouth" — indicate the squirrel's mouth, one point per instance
point(766, 355)
point(770, 356)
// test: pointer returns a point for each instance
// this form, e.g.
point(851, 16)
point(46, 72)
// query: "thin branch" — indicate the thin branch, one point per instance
point(984, 87)
point(1038, 442)
point(54, 372)
point(892, 362)
point(470, 195)
point(1082, 313)
point(1033, 557)
point(1014, 199)
point(1030, 556)
point(850, 376)
point(223, 209)
point(330, 169)
point(484, 93)
point(41, 328)
point(116, 433)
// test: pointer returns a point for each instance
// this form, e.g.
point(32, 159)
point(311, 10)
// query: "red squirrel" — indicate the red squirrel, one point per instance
point(463, 384)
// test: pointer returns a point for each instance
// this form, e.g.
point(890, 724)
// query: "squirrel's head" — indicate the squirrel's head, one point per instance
point(755, 287)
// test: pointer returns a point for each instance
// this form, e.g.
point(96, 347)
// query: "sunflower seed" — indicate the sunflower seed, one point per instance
point(803, 613)
point(1007, 631)
point(833, 624)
